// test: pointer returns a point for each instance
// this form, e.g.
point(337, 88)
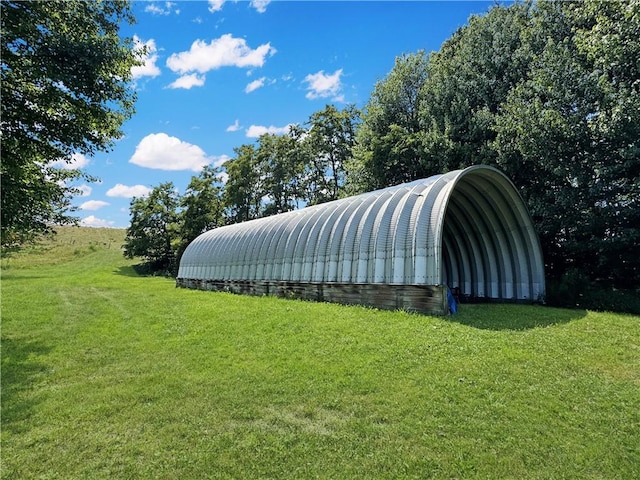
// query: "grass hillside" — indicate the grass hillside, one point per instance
point(106, 374)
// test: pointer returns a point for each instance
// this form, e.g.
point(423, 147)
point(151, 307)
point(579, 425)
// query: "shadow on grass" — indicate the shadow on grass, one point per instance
point(128, 271)
point(20, 276)
point(142, 270)
point(514, 317)
point(20, 369)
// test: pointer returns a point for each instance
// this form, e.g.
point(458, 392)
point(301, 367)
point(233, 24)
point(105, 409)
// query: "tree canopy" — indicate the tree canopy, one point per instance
point(65, 91)
point(154, 233)
point(569, 135)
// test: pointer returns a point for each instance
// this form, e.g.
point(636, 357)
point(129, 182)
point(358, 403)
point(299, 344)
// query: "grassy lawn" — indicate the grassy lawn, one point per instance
point(106, 374)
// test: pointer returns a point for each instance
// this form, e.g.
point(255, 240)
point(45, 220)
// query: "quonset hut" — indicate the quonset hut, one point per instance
point(400, 247)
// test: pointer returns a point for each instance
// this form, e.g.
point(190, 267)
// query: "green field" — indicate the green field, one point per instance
point(107, 374)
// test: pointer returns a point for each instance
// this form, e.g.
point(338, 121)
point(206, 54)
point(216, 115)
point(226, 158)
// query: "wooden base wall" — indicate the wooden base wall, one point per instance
point(430, 299)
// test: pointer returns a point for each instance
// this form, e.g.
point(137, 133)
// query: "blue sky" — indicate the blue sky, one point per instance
point(220, 73)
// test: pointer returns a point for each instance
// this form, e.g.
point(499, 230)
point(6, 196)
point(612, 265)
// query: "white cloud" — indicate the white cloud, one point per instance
point(76, 161)
point(256, 84)
point(188, 81)
point(163, 9)
point(93, 205)
point(260, 5)
point(149, 67)
point(92, 221)
point(125, 191)
point(170, 5)
point(85, 190)
point(235, 127)
point(215, 5)
point(255, 131)
point(322, 85)
point(160, 151)
point(155, 9)
point(225, 51)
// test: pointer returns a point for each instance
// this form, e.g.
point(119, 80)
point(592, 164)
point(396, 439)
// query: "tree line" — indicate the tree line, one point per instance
point(277, 174)
point(65, 89)
point(546, 91)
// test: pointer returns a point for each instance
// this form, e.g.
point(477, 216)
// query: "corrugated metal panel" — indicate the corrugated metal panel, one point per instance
point(467, 229)
point(319, 261)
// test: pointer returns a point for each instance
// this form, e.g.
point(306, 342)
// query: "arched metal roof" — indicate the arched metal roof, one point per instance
point(467, 228)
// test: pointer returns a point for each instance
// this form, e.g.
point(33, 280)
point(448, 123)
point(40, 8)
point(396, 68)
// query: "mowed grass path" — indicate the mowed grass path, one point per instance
point(106, 374)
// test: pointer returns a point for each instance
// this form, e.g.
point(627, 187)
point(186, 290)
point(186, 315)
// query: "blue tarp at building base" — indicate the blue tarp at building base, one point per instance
point(453, 305)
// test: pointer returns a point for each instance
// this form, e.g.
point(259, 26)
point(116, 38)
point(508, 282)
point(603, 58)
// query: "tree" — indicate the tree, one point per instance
point(202, 207)
point(468, 79)
point(244, 188)
point(154, 232)
point(330, 140)
point(388, 148)
point(65, 90)
point(569, 136)
point(281, 163)
point(606, 36)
